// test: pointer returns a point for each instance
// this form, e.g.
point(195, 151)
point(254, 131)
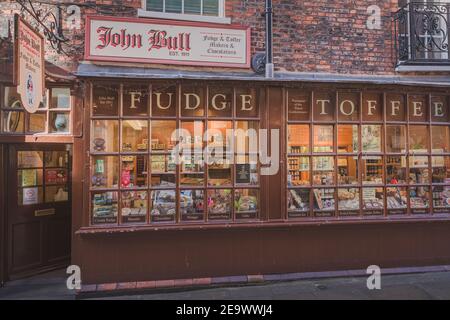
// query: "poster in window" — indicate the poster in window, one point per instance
point(30, 196)
point(243, 173)
point(29, 178)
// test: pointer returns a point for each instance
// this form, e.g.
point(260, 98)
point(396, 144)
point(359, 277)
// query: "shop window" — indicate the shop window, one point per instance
point(440, 139)
point(53, 116)
point(323, 138)
point(207, 178)
point(371, 138)
point(395, 139)
point(298, 138)
point(348, 141)
point(418, 139)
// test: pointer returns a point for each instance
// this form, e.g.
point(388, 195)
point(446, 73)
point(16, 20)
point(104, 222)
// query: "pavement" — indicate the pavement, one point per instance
point(419, 286)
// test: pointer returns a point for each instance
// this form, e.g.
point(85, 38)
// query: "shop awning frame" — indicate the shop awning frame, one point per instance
point(90, 70)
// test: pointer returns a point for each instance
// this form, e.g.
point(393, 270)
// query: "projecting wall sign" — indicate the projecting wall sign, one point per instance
point(29, 65)
point(166, 42)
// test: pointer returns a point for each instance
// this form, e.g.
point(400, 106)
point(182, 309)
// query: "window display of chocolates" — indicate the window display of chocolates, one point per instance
point(219, 204)
point(348, 199)
point(163, 205)
point(104, 207)
point(298, 203)
point(134, 206)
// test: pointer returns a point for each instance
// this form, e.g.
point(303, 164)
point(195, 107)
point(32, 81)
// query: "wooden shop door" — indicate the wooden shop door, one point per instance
point(39, 209)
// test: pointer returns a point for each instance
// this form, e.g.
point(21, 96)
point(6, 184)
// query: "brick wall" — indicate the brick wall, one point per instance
point(309, 35)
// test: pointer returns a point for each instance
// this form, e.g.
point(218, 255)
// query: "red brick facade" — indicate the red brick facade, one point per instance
point(309, 36)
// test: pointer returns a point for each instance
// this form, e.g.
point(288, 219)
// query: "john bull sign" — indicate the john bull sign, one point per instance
point(29, 65)
point(166, 42)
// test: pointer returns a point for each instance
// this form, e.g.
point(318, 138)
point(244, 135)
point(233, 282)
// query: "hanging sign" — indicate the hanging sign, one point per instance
point(28, 65)
point(166, 42)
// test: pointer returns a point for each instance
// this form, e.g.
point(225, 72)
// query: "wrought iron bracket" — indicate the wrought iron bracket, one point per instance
point(51, 20)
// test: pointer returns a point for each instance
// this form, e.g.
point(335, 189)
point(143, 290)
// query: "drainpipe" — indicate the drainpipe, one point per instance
point(269, 42)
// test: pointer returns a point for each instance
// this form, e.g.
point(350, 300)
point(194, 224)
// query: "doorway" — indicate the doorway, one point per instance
point(38, 209)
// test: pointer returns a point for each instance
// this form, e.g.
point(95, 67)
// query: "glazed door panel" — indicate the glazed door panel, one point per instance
point(39, 210)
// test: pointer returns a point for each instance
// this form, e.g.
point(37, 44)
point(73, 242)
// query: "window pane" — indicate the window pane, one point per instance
point(56, 159)
point(418, 170)
point(30, 159)
point(247, 103)
point(246, 202)
point(246, 170)
point(105, 100)
point(192, 205)
point(135, 101)
point(163, 171)
point(173, 6)
point(373, 201)
point(323, 138)
point(105, 172)
point(56, 176)
point(220, 102)
point(372, 172)
point(348, 106)
point(193, 101)
point(134, 135)
point(299, 174)
point(348, 201)
point(192, 170)
point(56, 193)
point(220, 136)
point(441, 199)
point(162, 131)
point(60, 98)
point(191, 135)
point(371, 138)
point(37, 122)
point(155, 5)
point(219, 172)
point(440, 139)
point(163, 206)
point(105, 136)
point(104, 207)
point(164, 101)
point(323, 171)
point(246, 136)
point(395, 139)
point(396, 198)
point(348, 138)
point(298, 138)
point(30, 196)
point(59, 122)
point(13, 121)
point(348, 170)
point(395, 169)
point(12, 98)
point(192, 6)
point(211, 7)
point(298, 203)
point(418, 139)
point(219, 204)
point(134, 206)
point(29, 177)
point(324, 201)
point(441, 169)
point(134, 171)
point(419, 199)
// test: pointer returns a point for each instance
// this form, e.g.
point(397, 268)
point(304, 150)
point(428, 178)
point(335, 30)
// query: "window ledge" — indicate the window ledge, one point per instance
point(422, 68)
point(426, 218)
point(178, 16)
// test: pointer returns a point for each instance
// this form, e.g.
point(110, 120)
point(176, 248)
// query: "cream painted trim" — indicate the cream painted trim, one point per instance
point(185, 17)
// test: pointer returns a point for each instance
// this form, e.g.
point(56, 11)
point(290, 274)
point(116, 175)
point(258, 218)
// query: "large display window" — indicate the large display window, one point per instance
point(165, 154)
point(366, 154)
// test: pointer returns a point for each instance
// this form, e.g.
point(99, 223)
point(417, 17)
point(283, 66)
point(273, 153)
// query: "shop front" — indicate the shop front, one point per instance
point(357, 175)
